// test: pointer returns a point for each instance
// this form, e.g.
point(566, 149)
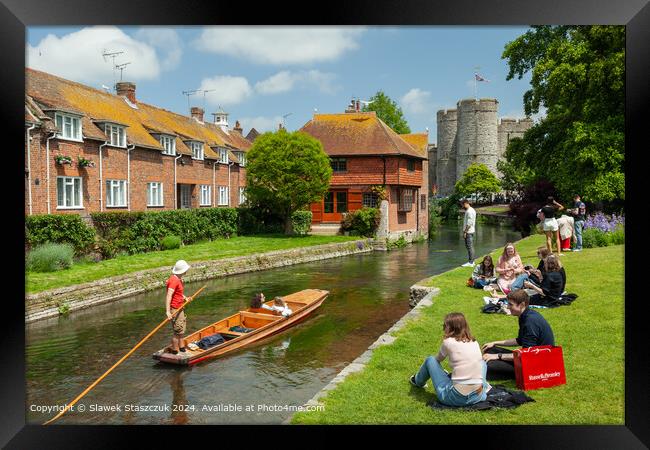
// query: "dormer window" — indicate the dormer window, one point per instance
point(242, 158)
point(197, 149)
point(116, 135)
point(223, 155)
point(69, 126)
point(168, 144)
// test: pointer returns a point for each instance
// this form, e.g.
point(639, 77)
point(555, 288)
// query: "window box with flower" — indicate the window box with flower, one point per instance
point(83, 162)
point(60, 159)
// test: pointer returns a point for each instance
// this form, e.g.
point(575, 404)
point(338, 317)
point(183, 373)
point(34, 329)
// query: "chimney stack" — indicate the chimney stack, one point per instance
point(237, 127)
point(358, 104)
point(197, 113)
point(126, 89)
point(351, 107)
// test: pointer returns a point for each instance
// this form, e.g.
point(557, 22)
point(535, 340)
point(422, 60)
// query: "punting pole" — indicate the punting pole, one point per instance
point(96, 382)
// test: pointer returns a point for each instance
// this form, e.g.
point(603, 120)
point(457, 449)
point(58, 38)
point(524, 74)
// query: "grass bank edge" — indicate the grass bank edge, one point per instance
point(85, 272)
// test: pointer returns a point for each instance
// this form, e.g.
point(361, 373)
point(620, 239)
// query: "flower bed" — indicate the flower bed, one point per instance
point(602, 230)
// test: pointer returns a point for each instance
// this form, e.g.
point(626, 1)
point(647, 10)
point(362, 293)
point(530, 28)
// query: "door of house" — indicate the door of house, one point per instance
point(186, 196)
point(335, 203)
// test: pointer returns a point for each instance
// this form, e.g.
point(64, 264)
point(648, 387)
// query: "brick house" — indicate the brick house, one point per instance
point(365, 152)
point(87, 150)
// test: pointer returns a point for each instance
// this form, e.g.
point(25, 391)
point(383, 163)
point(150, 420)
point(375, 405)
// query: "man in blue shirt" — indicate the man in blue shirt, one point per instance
point(580, 216)
point(534, 330)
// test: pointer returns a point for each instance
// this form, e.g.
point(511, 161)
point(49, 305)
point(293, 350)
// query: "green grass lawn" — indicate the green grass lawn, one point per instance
point(591, 332)
point(83, 272)
point(500, 209)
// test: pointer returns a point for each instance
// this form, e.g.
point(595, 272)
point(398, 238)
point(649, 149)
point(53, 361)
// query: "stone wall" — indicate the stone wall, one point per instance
point(446, 154)
point(46, 304)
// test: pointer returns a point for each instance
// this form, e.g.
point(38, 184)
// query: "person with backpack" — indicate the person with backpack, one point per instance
point(580, 217)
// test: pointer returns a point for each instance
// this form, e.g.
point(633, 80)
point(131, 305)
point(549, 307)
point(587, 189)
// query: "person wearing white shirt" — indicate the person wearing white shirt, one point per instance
point(469, 223)
point(279, 306)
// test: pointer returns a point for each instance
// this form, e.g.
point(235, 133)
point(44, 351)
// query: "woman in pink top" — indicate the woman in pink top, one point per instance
point(508, 267)
point(466, 385)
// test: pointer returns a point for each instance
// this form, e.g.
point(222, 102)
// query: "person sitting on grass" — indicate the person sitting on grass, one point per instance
point(534, 330)
point(531, 274)
point(509, 267)
point(467, 384)
point(483, 274)
point(279, 306)
point(552, 285)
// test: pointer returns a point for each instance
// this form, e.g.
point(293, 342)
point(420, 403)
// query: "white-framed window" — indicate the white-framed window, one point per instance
point(169, 145)
point(116, 193)
point(154, 194)
point(69, 126)
point(223, 155)
point(242, 158)
point(242, 195)
point(68, 192)
point(197, 149)
point(223, 195)
point(206, 195)
point(116, 135)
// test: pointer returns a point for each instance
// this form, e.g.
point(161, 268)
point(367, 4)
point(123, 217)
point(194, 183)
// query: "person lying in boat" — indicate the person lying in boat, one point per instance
point(279, 306)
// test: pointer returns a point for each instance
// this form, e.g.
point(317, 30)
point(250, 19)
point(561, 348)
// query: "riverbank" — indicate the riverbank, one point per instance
point(53, 302)
point(84, 272)
point(591, 332)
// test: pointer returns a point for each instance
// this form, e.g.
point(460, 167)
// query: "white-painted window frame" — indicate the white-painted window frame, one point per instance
point(205, 195)
point(223, 194)
point(62, 133)
point(223, 155)
point(155, 194)
point(67, 181)
point(171, 141)
point(197, 150)
point(121, 188)
point(115, 131)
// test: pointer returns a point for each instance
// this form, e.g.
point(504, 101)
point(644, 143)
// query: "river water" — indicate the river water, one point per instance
point(260, 384)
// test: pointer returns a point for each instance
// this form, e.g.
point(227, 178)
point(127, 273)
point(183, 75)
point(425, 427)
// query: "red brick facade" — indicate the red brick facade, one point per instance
point(137, 165)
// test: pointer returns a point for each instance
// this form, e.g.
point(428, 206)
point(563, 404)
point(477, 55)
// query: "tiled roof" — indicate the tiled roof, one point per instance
point(61, 94)
point(419, 141)
point(362, 133)
point(252, 134)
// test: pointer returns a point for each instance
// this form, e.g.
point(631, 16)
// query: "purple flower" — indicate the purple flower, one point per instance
point(604, 223)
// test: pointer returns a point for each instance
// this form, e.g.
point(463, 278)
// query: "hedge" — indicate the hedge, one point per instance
point(301, 222)
point(363, 222)
point(61, 229)
point(139, 232)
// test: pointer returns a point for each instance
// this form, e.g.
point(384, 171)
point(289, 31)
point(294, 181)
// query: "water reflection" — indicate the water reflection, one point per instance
point(368, 294)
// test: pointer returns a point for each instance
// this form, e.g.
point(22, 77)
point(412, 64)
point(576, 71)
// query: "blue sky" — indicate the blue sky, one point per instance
point(259, 74)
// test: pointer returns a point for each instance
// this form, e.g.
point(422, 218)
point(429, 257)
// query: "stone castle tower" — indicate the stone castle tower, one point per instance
point(469, 134)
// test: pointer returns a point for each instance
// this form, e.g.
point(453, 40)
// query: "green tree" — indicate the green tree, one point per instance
point(388, 111)
point(578, 75)
point(477, 179)
point(287, 171)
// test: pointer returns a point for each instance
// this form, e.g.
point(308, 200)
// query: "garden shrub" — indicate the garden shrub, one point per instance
point(397, 243)
point(301, 222)
point(59, 228)
point(362, 222)
point(171, 242)
point(601, 230)
point(259, 219)
point(50, 257)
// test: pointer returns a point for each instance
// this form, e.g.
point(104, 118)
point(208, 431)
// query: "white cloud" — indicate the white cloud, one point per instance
point(417, 101)
point(286, 80)
point(78, 56)
point(167, 41)
point(261, 124)
point(280, 45)
point(226, 90)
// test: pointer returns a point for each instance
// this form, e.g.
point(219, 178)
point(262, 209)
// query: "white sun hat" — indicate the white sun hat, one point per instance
point(181, 267)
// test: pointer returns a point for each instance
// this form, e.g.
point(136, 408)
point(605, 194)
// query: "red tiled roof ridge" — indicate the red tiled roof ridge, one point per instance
point(388, 130)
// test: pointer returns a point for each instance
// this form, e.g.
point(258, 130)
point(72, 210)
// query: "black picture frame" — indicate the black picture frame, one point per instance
point(16, 15)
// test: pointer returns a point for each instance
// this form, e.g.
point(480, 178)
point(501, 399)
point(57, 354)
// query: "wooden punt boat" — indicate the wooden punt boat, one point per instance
point(264, 322)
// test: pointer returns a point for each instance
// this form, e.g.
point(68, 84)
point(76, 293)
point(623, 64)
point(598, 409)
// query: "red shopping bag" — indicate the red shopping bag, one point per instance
point(539, 367)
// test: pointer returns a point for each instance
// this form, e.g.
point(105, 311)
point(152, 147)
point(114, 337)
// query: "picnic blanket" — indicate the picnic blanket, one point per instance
point(498, 397)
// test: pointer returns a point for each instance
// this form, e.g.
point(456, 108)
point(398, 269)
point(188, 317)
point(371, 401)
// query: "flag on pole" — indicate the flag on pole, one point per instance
point(477, 77)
